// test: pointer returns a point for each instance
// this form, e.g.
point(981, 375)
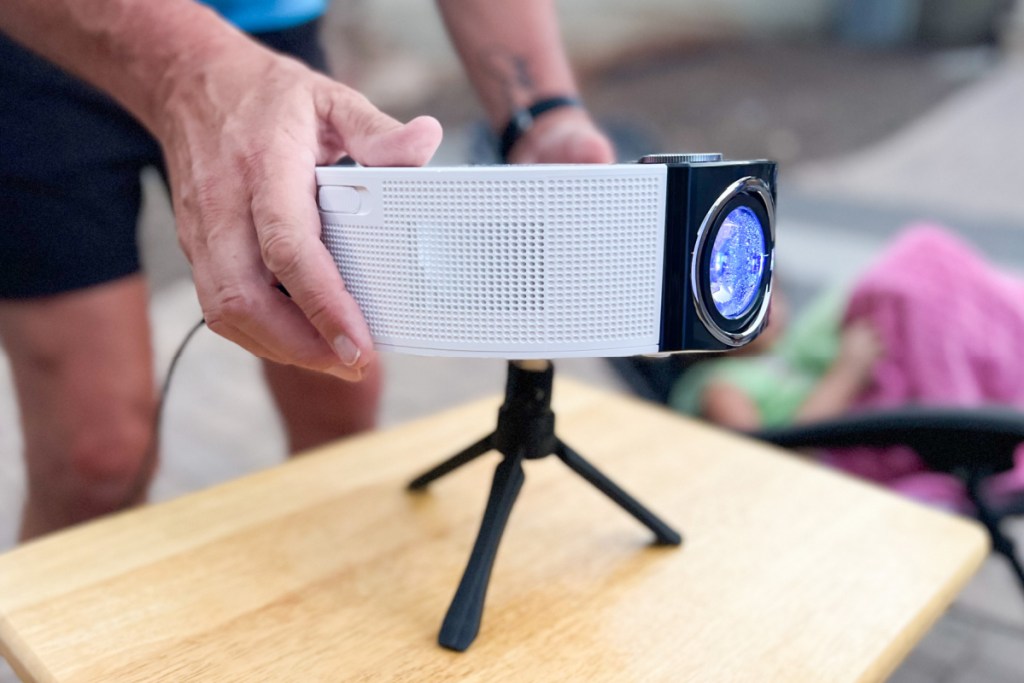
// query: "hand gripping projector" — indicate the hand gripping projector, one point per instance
point(673, 253)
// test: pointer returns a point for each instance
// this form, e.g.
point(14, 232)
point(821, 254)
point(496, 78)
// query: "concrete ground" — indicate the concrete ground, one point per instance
point(869, 142)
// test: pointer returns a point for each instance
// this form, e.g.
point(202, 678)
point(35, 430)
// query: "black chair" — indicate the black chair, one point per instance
point(972, 444)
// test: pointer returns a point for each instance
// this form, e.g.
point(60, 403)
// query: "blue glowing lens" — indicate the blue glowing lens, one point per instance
point(737, 263)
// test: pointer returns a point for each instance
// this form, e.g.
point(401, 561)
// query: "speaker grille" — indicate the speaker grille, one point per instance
point(507, 263)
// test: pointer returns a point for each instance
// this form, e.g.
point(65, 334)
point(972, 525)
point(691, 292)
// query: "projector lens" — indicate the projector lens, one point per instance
point(737, 263)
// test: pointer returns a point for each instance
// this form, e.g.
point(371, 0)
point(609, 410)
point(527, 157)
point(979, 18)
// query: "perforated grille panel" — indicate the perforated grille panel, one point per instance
point(506, 264)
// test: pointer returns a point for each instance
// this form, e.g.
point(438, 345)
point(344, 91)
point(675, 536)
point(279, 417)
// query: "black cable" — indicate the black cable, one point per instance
point(141, 482)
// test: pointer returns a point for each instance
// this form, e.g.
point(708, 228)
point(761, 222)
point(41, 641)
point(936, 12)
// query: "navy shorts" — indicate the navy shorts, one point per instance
point(70, 159)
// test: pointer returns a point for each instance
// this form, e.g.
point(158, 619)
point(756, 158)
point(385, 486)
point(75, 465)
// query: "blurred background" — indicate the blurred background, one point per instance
point(880, 112)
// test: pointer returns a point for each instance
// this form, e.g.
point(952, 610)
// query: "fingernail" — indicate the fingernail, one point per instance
point(346, 373)
point(346, 349)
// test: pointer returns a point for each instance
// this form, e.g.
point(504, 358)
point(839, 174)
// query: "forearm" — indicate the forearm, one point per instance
point(833, 395)
point(728, 406)
point(850, 373)
point(131, 49)
point(512, 52)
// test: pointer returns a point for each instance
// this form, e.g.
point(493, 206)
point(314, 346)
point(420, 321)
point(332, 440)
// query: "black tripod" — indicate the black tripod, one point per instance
point(526, 430)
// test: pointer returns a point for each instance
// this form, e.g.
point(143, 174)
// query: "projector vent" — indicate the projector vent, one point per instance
point(507, 262)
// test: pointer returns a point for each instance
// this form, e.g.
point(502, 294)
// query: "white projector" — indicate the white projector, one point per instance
point(673, 253)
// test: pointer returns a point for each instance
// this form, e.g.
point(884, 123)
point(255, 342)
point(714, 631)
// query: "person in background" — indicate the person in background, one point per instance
point(930, 322)
point(810, 370)
point(231, 101)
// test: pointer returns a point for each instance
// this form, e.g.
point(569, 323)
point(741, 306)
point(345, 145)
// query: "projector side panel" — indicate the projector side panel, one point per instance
point(691, 193)
point(523, 262)
point(678, 250)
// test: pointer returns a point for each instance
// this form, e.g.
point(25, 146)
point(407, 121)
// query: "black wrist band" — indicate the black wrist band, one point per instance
point(523, 120)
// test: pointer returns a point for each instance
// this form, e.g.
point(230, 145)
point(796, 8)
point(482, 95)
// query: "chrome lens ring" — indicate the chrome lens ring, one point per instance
point(758, 190)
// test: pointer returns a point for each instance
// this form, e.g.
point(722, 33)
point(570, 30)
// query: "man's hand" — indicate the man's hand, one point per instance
point(242, 129)
point(563, 136)
point(242, 135)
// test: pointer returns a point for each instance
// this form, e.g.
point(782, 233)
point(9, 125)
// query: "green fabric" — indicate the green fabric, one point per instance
point(779, 381)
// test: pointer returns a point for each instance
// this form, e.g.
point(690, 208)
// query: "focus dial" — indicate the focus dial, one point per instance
point(702, 158)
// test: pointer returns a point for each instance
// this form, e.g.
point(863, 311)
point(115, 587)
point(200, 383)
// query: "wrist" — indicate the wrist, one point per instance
point(220, 75)
point(185, 63)
point(527, 119)
point(568, 135)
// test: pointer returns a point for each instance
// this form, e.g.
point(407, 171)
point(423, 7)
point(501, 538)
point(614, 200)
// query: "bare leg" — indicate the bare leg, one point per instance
point(318, 408)
point(83, 374)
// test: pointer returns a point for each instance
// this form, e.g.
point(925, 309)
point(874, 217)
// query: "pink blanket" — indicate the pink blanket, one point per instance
point(953, 331)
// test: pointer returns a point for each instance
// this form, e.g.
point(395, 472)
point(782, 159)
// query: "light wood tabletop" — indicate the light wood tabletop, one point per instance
point(326, 569)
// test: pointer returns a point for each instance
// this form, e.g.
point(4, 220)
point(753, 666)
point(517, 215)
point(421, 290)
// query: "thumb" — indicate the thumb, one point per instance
point(373, 138)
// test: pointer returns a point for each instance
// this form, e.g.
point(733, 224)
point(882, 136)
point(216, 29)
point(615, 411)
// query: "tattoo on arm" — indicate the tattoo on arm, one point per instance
point(512, 72)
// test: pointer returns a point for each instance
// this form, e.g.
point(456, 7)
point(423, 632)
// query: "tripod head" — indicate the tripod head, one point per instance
point(526, 423)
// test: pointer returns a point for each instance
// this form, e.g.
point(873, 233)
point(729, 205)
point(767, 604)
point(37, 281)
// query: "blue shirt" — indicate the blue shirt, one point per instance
point(257, 16)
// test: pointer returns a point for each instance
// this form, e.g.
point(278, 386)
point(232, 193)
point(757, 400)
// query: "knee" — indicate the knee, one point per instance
point(101, 466)
point(110, 455)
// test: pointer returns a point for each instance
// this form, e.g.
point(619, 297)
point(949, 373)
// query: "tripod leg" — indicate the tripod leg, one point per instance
point(664, 534)
point(462, 622)
point(457, 460)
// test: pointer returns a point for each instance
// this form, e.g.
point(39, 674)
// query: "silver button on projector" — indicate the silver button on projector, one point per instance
point(702, 158)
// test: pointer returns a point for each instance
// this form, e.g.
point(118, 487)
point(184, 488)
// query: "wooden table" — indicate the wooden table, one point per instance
point(326, 569)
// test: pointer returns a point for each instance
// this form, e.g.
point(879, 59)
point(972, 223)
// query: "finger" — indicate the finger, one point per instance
point(288, 230)
point(311, 353)
point(240, 303)
point(373, 138)
point(218, 324)
point(238, 336)
point(411, 145)
point(328, 363)
point(245, 312)
point(251, 345)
